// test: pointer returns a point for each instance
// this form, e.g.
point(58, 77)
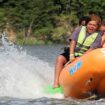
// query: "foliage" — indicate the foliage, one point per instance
point(49, 19)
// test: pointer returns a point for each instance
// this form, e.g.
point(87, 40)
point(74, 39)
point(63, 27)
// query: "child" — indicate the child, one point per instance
point(102, 28)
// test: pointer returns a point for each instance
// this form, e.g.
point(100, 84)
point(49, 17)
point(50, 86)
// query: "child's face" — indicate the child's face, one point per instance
point(92, 26)
point(102, 28)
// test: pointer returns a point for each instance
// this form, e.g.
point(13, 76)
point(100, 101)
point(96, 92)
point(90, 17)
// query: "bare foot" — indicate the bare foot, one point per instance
point(55, 86)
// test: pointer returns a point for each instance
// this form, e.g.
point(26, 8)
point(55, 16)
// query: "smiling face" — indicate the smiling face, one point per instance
point(92, 26)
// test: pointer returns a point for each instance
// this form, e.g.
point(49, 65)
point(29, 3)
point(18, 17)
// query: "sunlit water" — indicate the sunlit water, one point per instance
point(25, 71)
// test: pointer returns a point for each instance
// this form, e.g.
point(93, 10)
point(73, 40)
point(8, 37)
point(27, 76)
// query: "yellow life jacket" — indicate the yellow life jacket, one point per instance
point(83, 42)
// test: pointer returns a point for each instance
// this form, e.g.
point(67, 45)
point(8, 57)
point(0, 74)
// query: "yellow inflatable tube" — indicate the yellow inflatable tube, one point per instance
point(85, 75)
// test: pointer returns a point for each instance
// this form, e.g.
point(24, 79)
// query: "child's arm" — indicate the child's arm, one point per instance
point(103, 41)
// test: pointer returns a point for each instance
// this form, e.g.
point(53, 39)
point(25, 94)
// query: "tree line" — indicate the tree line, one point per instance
point(45, 20)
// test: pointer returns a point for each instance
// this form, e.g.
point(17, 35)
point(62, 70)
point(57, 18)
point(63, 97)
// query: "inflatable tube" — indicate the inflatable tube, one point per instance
point(85, 75)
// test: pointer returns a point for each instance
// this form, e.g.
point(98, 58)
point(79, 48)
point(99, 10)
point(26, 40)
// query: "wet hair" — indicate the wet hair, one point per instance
point(84, 18)
point(97, 19)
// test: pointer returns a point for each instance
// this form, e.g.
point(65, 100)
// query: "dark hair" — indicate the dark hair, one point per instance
point(84, 18)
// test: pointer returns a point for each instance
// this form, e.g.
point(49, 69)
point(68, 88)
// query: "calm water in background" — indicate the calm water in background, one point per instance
point(47, 53)
point(25, 71)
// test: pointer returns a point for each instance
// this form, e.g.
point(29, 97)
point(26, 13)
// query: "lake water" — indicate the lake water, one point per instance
point(25, 71)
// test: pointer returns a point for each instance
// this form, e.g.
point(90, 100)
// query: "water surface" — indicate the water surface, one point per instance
point(25, 70)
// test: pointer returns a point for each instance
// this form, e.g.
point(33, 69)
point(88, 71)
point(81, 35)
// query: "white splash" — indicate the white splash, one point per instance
point(22, 75)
